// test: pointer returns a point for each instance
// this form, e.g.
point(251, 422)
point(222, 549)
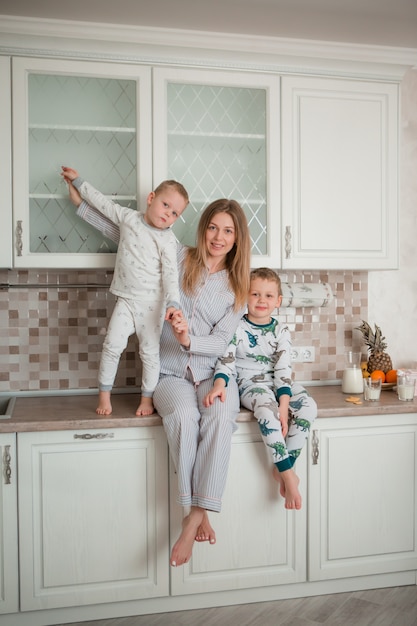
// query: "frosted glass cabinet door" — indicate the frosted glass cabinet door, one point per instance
point(6, 167)
point(94, 117)
point(218, 133)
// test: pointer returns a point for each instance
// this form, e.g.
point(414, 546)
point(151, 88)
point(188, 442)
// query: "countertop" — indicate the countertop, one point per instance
point(41, 413)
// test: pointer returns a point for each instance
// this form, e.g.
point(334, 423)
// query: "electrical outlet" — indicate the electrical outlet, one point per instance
point(303, 354)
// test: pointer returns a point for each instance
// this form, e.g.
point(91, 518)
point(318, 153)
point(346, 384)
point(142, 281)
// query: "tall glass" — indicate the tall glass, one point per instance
point(352, 380)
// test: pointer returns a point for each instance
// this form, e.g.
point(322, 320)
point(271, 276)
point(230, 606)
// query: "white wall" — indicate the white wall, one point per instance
point(392, 300)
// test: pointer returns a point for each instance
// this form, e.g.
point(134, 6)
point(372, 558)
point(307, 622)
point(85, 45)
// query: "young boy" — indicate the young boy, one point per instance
point(259, 357)
point(145, 281)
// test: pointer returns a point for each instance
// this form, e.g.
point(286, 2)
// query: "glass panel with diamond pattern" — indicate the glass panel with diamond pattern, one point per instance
point(87, 123)
point(217, 149)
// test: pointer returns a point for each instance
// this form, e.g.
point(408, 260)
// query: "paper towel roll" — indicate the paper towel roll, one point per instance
point(306, 294)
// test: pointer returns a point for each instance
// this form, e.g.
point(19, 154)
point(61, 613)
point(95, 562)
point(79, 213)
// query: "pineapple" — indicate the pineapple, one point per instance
point(378, 359)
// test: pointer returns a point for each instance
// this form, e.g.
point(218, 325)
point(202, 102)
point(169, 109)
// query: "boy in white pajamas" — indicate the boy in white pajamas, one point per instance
point(145, 281)
point(259, 358)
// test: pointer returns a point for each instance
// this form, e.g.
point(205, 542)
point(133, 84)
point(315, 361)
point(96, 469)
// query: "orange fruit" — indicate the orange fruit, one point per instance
point(375, 375)
point(391, 376)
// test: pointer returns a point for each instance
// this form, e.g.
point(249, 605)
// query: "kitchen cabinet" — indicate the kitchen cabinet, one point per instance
point(339, 173)
point(362, 515)
point(219, 133)
point(259, 542)
point(93, 116)
point(6, 164)
point(9, 595)
point(93, 510)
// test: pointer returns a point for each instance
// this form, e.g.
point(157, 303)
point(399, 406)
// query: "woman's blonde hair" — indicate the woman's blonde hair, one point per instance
point(237, 261)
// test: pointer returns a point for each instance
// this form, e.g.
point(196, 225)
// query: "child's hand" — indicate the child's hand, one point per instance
point(284, 424)
point(74, 195)
point(69, 174)
point(218, 391)
point(180, 328)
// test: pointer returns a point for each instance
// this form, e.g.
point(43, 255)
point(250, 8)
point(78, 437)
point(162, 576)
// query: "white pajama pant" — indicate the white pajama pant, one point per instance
point(199, 437)
point(261, 400)
point(129, 317)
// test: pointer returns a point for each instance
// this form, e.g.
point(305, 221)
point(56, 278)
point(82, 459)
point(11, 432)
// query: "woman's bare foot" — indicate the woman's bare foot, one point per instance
point(289, 483)
point(205, 531)
point(104, 404)
point(145, 407)
point(183, 548)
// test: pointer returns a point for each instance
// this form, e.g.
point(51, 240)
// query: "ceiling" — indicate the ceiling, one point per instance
point(375, 22)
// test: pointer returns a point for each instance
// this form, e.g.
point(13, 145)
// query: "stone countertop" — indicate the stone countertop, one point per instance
point(69, 412)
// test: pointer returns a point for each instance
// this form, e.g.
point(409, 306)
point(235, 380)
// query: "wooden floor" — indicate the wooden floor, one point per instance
point(396, 606)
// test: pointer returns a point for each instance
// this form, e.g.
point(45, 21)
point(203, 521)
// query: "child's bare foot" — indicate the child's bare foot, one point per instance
point(145, 407)
point(277, 477)
point(205, 531)
point(183, 548)
point(104, 404)
point(290, 482)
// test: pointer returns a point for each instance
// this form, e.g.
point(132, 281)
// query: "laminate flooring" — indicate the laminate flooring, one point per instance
point(394, 606)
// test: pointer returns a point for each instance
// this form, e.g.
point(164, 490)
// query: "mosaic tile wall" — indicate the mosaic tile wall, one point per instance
point(52, 326)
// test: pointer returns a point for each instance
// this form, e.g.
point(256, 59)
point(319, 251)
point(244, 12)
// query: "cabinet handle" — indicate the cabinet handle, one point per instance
point(95, 436)
point(287, 242)
point(315, 447)
point(7, 465)
point(19, 238)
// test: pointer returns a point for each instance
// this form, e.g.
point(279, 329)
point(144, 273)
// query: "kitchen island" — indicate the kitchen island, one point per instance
point(89, 511)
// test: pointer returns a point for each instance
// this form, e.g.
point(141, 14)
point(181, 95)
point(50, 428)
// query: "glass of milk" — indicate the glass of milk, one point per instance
point(352, 381)
point(371, 389)
point(406, 384)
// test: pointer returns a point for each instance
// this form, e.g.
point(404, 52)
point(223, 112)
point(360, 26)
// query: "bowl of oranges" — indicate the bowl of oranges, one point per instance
point(388, 379)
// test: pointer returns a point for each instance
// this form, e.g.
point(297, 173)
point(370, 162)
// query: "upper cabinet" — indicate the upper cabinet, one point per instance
point(94, 117)
point(339, 174)
point(6, 164)
point(218, 133)
point(313, 161)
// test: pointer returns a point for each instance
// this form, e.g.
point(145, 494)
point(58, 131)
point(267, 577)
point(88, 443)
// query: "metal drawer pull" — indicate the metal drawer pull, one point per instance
point(315, 447)
point(7, 468)
point(95, 436)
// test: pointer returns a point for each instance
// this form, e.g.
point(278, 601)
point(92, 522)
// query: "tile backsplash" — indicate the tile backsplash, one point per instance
point(53, 323)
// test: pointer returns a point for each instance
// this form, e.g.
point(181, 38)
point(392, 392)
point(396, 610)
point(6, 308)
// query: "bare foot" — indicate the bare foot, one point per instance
point(205, 531)
point(104, 404)
point(145, 407)
point(277, 477)
point(290, 481)
point(183, 548)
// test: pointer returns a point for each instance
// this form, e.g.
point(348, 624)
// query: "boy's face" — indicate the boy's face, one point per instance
point(164, 208)
point(263, 299)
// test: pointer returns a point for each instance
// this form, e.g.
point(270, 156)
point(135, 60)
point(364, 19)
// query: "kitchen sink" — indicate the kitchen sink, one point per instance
point(6, 408)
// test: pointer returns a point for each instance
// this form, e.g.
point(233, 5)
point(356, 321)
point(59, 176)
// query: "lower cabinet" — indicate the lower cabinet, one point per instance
point(362, 514)
point(258, 542)
point(9, 583)
point(93, 511)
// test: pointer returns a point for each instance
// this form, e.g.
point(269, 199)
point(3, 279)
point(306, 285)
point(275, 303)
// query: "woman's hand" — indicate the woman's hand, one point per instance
point(68, 174)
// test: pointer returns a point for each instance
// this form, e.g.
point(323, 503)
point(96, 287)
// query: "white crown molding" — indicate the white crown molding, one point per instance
point(75, 39)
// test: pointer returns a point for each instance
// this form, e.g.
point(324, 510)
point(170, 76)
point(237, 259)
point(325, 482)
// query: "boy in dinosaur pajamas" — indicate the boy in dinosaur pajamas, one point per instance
point(259, 357)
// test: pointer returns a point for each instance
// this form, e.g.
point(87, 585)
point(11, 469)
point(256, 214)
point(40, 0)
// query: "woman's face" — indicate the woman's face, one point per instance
point(220, 235)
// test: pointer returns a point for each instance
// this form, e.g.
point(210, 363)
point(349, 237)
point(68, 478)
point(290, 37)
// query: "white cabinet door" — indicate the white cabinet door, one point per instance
point(259, 542)
point(362, 496)
point(95, 117)
point(339, 174)
point(218, 132)
point(93, 510)
point(6, 164)
point(9, 583)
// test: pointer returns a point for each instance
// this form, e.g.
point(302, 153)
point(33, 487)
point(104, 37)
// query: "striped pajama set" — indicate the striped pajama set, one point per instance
point(199, 437)
point(259, 359)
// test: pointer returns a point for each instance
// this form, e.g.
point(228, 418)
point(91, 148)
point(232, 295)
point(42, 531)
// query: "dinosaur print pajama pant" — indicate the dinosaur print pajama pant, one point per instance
point(302, 412)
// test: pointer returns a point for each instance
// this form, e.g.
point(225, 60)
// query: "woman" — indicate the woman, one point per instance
point(214, 283)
